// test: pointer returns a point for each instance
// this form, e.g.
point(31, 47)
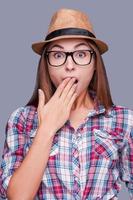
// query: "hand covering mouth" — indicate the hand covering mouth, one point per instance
point(76, 81)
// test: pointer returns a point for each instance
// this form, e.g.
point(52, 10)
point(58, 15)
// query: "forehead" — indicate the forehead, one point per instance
point(69, 42)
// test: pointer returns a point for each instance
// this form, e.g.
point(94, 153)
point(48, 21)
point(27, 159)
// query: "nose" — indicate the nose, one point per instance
point(69, 63)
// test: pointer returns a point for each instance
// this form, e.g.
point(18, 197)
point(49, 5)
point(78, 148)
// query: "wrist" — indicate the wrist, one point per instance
point(45, 130)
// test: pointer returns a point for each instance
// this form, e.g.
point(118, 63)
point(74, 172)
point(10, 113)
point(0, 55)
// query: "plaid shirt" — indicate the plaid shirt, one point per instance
point(84, 164)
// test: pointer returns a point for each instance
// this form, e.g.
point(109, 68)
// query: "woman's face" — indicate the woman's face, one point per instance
point(83, 74)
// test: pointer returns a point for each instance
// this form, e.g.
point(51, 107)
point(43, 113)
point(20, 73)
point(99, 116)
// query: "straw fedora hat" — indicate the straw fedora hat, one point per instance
point(69, 23)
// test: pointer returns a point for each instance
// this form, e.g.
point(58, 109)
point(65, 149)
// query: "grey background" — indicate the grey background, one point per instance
point(25, 22)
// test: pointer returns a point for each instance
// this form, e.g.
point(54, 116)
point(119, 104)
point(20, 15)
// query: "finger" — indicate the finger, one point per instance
point(70, 93)
point(41, 98)
point(67, 88)
point(38, 115)
point(61, 87)
point(72, 101)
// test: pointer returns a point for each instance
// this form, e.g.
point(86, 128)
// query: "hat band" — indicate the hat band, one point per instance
point(69, 31)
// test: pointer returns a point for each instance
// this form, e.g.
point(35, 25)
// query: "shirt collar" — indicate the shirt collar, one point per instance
point(98, 107)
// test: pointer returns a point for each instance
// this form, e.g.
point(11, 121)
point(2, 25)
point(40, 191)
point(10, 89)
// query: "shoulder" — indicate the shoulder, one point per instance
point(123, 113)
point(23, 112)
point(122, 109)
point(23, 115)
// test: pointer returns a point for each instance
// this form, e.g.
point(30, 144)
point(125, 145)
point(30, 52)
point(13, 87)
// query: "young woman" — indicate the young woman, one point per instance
point(70, 141)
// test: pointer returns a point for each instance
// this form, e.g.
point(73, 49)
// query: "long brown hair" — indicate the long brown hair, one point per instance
point(99, 82)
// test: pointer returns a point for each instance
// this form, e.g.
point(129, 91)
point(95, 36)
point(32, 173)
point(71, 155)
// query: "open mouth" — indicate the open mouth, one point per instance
point(76, 81)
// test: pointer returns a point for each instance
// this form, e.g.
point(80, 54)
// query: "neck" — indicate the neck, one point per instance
point(83, 101)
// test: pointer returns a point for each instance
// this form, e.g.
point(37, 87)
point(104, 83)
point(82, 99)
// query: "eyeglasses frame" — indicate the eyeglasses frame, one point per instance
point(69, 54)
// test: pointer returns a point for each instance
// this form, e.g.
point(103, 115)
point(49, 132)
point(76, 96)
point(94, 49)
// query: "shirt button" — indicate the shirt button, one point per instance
point(79, 135)
point(76, 178)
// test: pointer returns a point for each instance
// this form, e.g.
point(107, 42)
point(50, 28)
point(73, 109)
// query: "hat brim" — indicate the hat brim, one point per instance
point(39, 46)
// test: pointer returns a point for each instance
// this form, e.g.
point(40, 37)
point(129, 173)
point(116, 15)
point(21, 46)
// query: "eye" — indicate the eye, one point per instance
point(81, 54)
point(58, 55)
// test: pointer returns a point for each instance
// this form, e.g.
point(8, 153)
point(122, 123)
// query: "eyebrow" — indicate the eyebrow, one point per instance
point(81, 44)
point(56, 45)
point(59, 46)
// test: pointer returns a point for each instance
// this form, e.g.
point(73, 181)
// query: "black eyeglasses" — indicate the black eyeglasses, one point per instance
point(80, 57)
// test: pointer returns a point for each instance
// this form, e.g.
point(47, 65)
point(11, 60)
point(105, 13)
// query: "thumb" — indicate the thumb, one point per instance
point(41, 98)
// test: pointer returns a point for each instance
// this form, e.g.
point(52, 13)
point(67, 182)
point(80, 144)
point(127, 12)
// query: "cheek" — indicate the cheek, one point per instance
point(85, 80)
point(54, 76)
point(87, 77)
